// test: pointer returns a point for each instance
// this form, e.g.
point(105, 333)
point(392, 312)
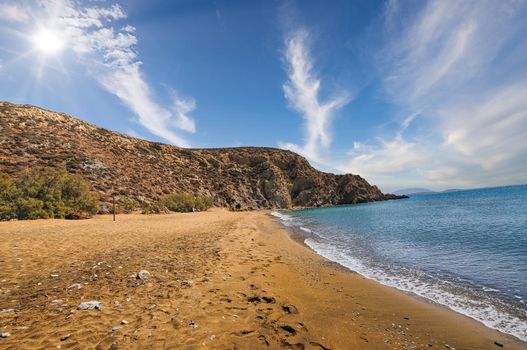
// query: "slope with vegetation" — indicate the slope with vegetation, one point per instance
point(238, 178)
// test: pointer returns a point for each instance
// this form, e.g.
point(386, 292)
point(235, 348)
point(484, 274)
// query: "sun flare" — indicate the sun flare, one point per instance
point(48, 41)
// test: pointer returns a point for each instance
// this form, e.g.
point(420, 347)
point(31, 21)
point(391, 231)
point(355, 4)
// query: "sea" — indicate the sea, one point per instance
point(466, 250)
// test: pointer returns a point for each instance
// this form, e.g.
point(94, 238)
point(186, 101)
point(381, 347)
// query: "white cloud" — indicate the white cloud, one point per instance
point(110, 57)
point(460, 65)
point(13, 12)
point(302, 91)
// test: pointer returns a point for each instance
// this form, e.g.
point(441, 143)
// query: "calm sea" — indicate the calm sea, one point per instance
point(466, 250)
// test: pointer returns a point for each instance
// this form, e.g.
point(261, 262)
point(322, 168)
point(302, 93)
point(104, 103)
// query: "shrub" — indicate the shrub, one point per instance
point(30, 209)
point(129, 205)
point(154, 208)
point(8, 195)
point(45, 193)
point(184, 202)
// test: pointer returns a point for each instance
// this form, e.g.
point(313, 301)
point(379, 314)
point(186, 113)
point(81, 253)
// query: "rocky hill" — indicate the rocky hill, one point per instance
point(237, 178)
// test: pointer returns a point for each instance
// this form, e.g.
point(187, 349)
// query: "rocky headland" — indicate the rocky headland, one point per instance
point(241, 178)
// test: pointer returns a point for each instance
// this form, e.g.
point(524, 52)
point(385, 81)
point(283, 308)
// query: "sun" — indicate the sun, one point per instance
point(48, 41)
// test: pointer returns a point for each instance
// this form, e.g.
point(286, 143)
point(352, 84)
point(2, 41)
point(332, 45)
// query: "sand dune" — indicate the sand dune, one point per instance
point(218, 280)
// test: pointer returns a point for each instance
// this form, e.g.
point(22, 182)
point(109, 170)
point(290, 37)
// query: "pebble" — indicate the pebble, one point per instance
point(117, 328)
point(56, 302)
point(54, 275)
point(90, 305)
point(497, 343)
point(65, 337)
point(143, 275)
point(5, 335)
point(75, 286)
point(124, 322)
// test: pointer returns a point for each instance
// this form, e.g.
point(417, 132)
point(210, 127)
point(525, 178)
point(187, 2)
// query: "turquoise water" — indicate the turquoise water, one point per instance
point(466, 250)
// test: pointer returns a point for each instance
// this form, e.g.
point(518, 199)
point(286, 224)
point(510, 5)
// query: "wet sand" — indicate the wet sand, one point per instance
point(219, 280)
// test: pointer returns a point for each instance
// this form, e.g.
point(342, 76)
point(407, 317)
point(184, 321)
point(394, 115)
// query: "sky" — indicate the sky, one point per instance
point(404, 93)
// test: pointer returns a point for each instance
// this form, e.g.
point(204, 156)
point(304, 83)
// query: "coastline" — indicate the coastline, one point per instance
point(219, 280)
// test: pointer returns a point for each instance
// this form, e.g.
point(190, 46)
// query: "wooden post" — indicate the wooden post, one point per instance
point(113, 200)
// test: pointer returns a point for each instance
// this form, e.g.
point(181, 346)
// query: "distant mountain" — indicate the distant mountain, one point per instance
point(416, 191)
point(452, 190)
point(237, 178)
point(408, 191)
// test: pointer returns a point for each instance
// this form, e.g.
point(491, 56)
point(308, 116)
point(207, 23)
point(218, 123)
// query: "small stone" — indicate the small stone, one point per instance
point(498, 343)
point(54, 275)
point(75, 286)
point(124, 322)
point(90, 305)
point(65, 337)
point(56, 302)
point(175, 323)
point(212, 337)
point(143, 275)
point(5, 335)
point(193, 324)
point(117, 328)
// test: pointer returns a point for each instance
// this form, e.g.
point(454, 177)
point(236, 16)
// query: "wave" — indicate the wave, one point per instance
point(476, 303)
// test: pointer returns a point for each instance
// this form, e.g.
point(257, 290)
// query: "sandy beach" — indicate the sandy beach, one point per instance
point(217, 280)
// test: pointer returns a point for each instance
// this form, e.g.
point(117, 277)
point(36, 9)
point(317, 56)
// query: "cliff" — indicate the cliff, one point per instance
point(237, 178)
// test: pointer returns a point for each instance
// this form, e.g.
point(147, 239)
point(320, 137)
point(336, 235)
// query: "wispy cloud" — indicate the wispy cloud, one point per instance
point(109, 55)
point(462, 66)
point(302, 91)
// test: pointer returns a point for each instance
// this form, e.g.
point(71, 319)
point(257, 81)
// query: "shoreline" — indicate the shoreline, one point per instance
point(219, 280)
point(299, 236)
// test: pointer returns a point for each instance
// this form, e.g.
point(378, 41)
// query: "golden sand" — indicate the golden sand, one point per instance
point(219, 280)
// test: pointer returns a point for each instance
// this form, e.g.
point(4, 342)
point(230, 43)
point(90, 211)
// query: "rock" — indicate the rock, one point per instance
point(498, 343)
point(175, 323)
point(124, 322)
point(75, 286)
point(54, 275)
point(65, 337)
point(143, 275)
point(117, 328)
point(290, 309)
point(193, 324)
point(56, 302)
point(5, 335)
point(91, 305)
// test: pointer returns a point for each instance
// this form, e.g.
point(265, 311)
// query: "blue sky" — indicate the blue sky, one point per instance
point(405, 93)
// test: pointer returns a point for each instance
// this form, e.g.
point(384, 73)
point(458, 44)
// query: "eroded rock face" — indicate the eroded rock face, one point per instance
point(241, 178)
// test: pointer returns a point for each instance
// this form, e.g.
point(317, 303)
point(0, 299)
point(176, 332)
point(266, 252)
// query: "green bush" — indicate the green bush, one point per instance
point(41, 193)
point(129, 205)
point(154, 208)
point(8, 195)
point(30, 209)
point(184, 202)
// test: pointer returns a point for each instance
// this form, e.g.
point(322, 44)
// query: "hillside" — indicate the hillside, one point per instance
point(238, 178)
